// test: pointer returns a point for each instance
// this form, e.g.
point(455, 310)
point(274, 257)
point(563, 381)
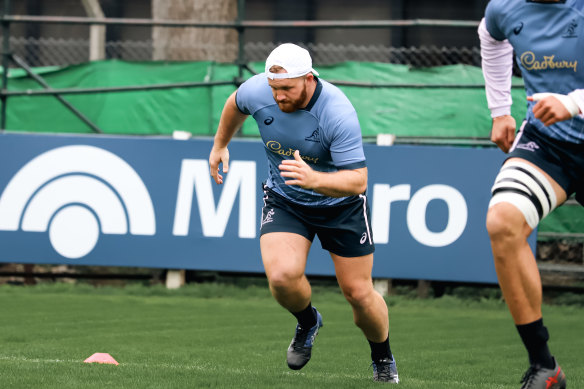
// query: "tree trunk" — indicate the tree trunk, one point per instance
point(195, 44)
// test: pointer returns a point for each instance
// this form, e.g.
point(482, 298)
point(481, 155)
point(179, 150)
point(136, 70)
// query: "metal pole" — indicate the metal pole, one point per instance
point(114, 89)
point(241, 40)
point(245, 24)
point(5, 62)
point(20, 62)
point(133, 88)
point(96, 32)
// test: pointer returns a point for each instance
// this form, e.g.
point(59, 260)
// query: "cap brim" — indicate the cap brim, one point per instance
point(280, 76)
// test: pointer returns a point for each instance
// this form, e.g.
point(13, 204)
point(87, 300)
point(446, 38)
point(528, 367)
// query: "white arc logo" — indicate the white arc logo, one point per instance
point(72, 191)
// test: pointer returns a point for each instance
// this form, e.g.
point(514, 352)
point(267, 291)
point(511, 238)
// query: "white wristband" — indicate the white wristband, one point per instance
point(566, 100)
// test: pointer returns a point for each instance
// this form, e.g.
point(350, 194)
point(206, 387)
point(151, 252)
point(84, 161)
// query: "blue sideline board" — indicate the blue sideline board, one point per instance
point(150, 202)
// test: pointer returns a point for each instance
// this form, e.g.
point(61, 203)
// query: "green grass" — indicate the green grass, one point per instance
point(229, 336)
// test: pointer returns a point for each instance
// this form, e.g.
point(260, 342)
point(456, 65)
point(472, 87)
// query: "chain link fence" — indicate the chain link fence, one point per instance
point(60, 52)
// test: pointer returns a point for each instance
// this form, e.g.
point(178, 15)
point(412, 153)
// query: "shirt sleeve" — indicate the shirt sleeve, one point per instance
point(251, 94)
point(347, 144)
point(497, 65)
point(491, 20)
point(242, 98)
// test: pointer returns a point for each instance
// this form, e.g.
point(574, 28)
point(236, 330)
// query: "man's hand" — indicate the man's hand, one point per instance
point(503, 132)
point(552, 107)
point(217, 156)
point(298, 172)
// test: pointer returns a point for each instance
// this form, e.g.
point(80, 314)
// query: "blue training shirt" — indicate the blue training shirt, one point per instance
point(548, 39)
point(327, 134)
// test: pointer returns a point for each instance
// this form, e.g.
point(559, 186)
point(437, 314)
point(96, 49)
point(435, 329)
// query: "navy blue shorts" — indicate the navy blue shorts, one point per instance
point(563, 161)
point(342, 229)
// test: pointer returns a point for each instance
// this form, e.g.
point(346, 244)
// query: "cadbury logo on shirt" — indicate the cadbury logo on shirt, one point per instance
point(276, 147)
point(530, 62)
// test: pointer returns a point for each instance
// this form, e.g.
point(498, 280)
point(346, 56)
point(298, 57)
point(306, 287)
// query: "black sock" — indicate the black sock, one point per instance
point(535, 336)
point(307, 317)
point(381, 350)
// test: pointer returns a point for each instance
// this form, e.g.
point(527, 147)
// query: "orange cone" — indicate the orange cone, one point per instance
point(101, 358)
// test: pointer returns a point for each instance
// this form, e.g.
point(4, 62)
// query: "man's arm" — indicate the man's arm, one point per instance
point(497, 65)
point(231, 120)
point(333, 184)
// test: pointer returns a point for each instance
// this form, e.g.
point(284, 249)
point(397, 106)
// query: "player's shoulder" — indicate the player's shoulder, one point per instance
point(500, 14)
point(333, 95)
point(334, 109)
point(254, 94)
point(504, 7)
point(254, 87)
point(257, 81)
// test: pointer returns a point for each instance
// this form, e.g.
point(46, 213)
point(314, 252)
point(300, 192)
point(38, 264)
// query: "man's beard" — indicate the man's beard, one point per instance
point(294, 105)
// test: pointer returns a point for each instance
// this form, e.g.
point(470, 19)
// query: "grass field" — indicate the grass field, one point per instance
point(225, 336)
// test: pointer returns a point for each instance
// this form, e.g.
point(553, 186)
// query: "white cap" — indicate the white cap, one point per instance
point(294, 59)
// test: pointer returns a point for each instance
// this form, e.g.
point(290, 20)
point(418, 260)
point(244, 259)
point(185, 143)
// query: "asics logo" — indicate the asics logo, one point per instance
point(550, 382)
point(310, 339)
point(269, 121)
point(363, 238)
point(518, 28)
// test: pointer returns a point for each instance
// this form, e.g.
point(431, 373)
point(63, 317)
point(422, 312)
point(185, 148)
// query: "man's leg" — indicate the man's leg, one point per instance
point(284, 256)
point(514, 262)
point(369, 311)
point(369, 308)
point(519, 276)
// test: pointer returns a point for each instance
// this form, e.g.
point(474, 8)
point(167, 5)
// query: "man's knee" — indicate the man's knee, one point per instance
point(503, 221)
point(283, 278)
point(358, 293)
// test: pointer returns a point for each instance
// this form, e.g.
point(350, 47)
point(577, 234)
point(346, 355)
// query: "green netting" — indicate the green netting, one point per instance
point(444, 112)
point(137, 112)
point(564, 220)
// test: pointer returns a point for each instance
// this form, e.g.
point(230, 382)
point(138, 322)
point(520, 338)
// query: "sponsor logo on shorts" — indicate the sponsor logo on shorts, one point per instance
point(363, 238)
point(529, 146)
point(268, 218)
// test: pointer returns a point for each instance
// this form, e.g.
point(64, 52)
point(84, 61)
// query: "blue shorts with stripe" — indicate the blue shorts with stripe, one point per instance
point(563, 161)
point(343, 229)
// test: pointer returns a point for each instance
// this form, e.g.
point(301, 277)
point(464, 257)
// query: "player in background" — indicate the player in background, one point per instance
point(316, 185)
point(545, 163)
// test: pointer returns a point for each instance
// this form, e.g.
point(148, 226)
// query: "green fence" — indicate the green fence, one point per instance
point(439, 102)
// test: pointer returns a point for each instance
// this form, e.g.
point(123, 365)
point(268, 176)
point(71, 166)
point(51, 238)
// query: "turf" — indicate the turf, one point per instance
point(225, 336)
